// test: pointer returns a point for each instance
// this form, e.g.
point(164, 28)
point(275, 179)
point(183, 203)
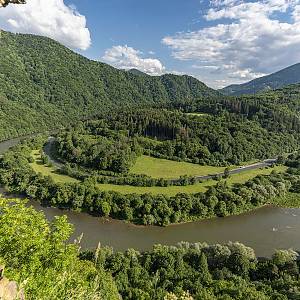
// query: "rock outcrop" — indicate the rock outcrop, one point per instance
point(9, 290)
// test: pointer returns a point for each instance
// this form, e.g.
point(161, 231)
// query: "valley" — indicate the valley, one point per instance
point(157, 169)
point(271, 222)
point(164, 176)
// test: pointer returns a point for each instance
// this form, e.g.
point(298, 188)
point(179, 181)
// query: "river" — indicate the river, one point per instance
point(264, 229)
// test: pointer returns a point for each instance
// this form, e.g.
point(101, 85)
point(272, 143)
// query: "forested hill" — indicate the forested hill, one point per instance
point(44, 84)
point(276, 80)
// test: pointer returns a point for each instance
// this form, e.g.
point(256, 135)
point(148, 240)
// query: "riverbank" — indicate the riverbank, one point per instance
point(264, 229)
point(222, 198)
point(289, 201)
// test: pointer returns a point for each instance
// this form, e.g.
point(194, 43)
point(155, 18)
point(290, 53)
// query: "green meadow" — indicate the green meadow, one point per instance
point(169, 169)
point(200, 187)
point(52, 171)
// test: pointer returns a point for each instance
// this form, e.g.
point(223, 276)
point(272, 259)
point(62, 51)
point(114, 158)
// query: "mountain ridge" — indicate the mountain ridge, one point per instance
point(55, 85)
point(276, 80)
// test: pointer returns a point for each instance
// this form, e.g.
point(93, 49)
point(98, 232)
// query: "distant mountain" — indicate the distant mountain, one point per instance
point(276, 80)
point(44, 84)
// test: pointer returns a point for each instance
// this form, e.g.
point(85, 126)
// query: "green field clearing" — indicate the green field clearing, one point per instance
point(39, 167)
point(168, 169)
point(197, 114)
point(246, 163)
point(200, 187)
point(170, 190)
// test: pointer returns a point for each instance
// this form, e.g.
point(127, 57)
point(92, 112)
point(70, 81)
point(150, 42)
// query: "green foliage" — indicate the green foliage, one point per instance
point(115, 141)
point(199, 271)
point(116, 154)
point(218, 140)
point(218, 201)
point(37, 255)
point(39, 258)
point(49, 84)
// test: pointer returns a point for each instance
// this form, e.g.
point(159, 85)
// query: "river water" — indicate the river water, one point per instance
point(264, 230)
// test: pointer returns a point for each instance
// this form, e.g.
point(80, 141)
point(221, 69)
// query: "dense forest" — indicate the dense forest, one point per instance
point(220, 200)
point(54, 85)
point(37, 255)
point(114, 142)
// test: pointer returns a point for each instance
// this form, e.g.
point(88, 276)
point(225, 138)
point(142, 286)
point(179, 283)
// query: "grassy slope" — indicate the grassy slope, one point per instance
point(163, 168)
point(170, 190)
point(38, 167)
point(200, 187)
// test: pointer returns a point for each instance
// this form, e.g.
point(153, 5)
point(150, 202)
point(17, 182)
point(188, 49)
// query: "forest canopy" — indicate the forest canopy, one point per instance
point(37, 255)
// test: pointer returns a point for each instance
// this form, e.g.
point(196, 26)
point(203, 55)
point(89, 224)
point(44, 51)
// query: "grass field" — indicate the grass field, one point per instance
point(170, 191)
point(38, 167)
point(200, 187)
point(163, 168)
point(197, 114)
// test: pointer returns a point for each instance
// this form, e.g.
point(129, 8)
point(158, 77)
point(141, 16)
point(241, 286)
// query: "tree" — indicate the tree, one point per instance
point(203, 269)
point(226, 173)
point(37, 252)
point(239, 264)
point(106, 208)
point(282, 257)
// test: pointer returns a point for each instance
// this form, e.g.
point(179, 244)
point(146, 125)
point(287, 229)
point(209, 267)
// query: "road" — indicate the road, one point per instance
point(48, 150)
point(262, 164)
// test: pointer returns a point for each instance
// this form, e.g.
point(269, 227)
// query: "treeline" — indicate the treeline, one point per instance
point(116, 154)
point(229, 271)
point(49, 85)
point(275, 110)
point(56, 269)
point(220, 140)
point(218, 201)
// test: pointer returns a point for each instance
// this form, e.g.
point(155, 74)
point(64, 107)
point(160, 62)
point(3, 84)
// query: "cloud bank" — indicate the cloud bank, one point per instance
point(248, 39)
point(51, 18)
point(124, 57)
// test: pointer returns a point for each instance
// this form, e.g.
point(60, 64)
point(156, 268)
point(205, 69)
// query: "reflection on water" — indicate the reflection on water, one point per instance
point(255, 229)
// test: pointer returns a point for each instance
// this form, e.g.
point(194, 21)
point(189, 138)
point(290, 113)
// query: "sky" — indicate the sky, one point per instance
point(220, 42)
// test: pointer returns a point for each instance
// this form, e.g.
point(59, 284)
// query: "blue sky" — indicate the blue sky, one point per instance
point(218, 41)
point(140, 24)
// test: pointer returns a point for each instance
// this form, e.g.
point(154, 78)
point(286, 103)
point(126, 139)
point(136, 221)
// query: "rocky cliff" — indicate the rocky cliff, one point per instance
point(9, 290)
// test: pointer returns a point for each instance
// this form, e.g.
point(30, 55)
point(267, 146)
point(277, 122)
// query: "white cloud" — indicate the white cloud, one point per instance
point(296, 13)
point(125, 57)
point(248, 40)
point(50, 18)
